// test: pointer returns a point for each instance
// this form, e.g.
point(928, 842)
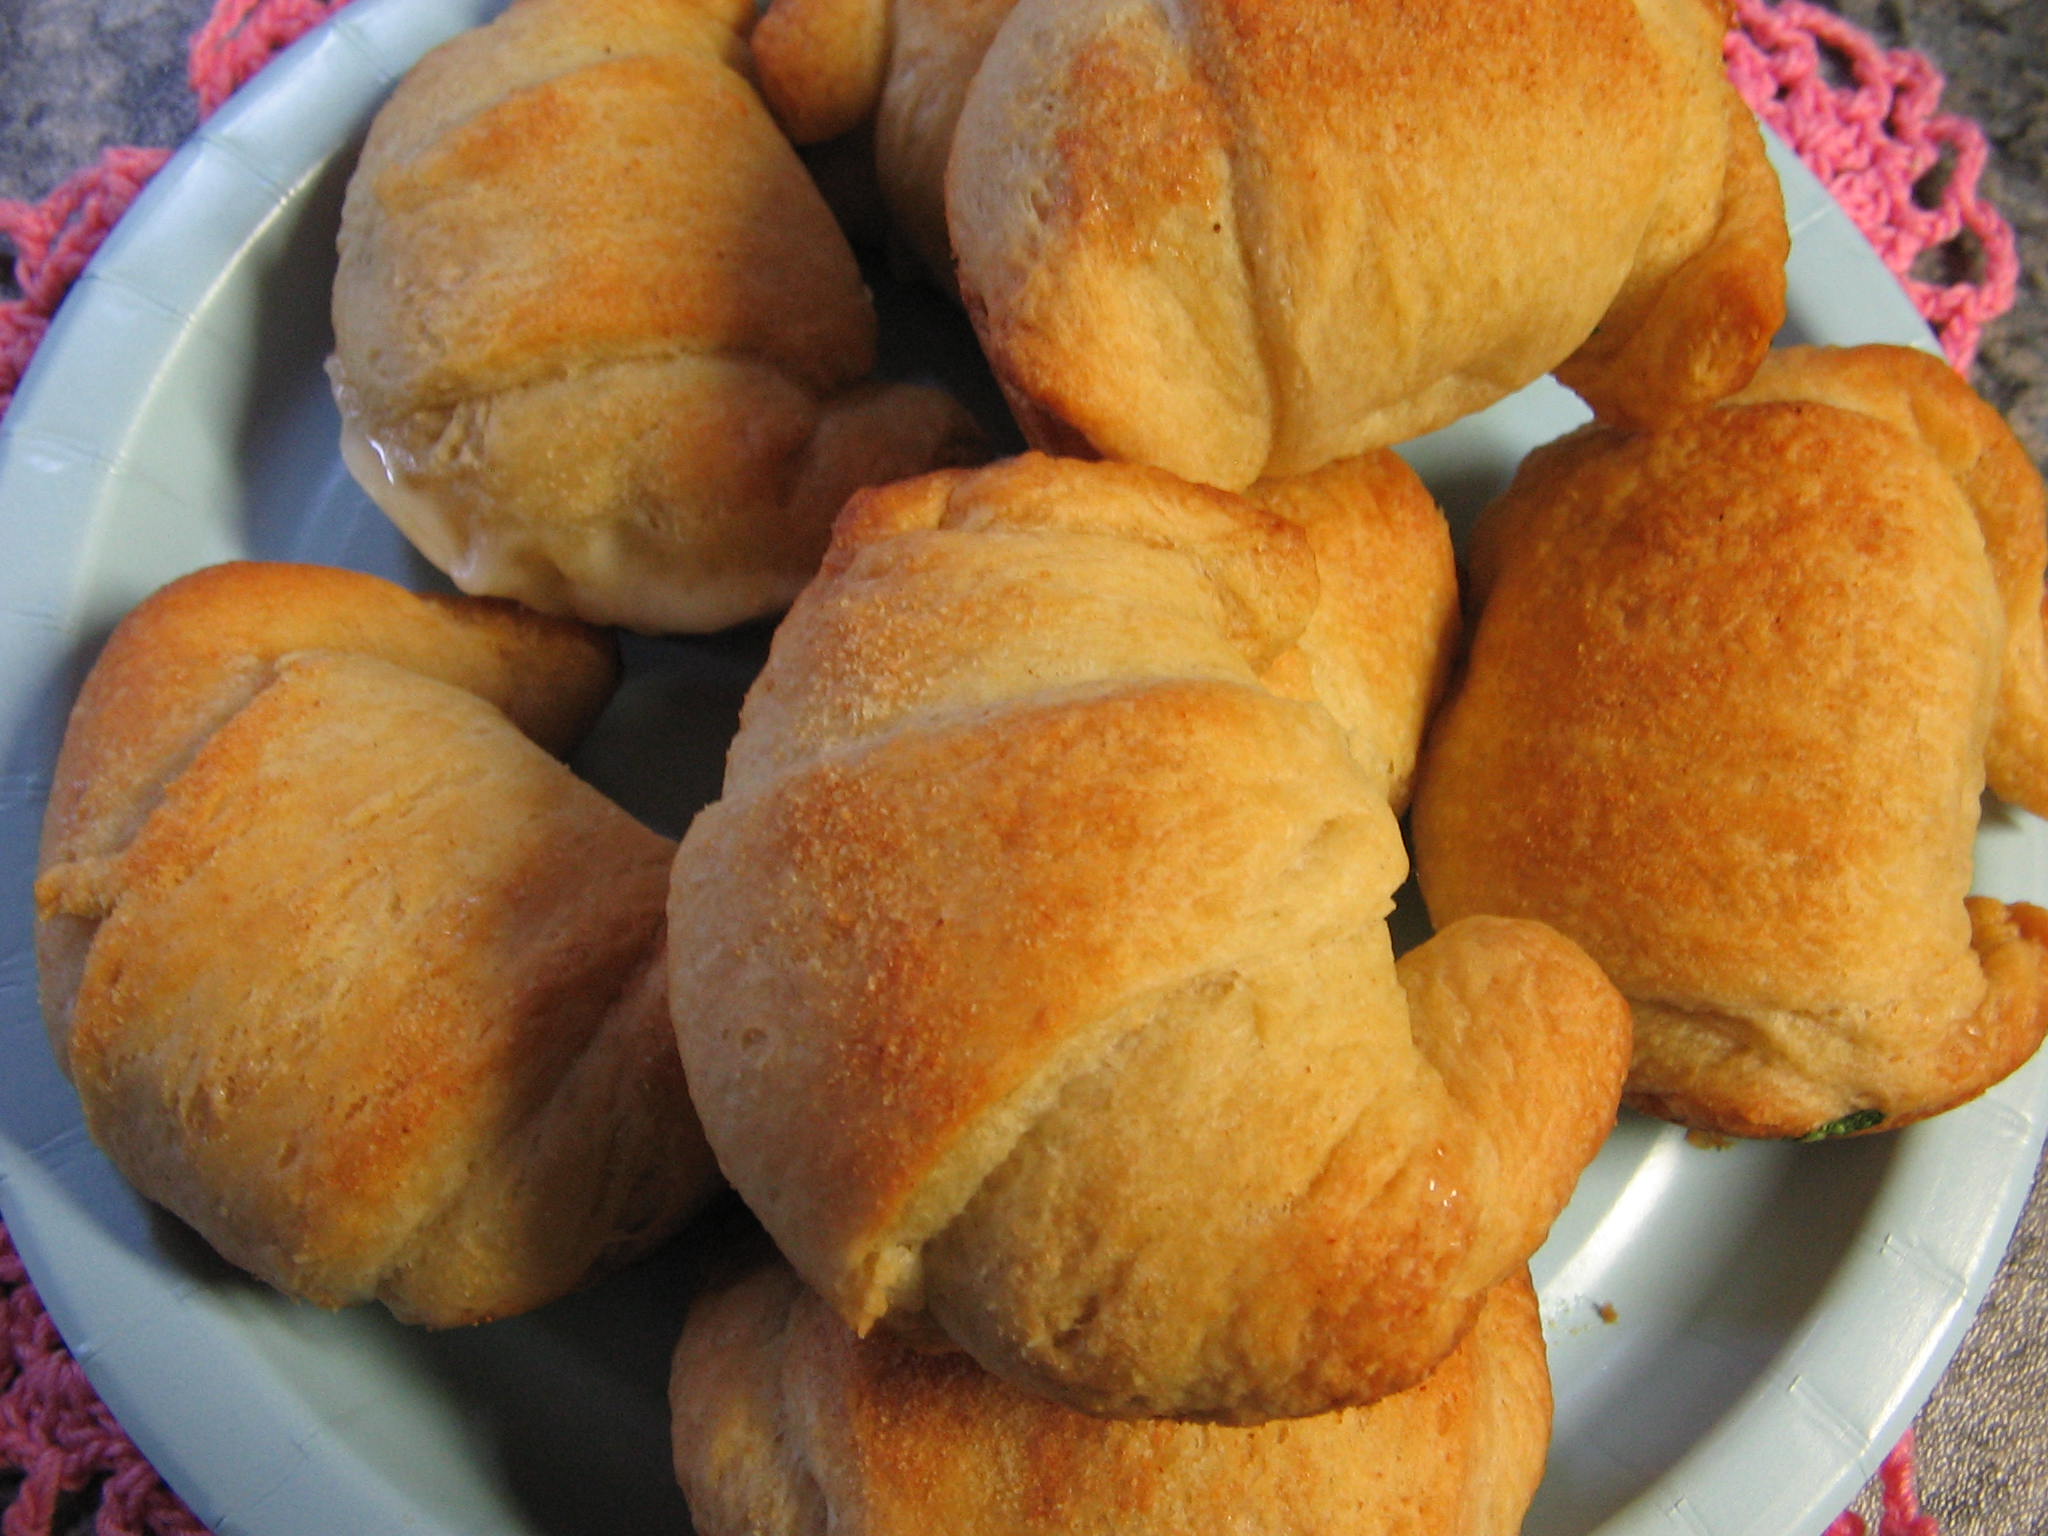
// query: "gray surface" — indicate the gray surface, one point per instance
point(79, 75)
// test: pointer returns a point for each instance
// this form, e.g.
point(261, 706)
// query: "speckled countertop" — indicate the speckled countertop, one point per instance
point(79, 75)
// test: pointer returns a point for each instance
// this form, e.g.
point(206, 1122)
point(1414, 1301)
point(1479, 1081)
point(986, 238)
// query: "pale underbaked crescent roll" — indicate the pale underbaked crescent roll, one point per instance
point(1033, 977)
point(599, 346)
point(1245, 240)
point(785, 1424)
point(349, 972)
point(1731, 695)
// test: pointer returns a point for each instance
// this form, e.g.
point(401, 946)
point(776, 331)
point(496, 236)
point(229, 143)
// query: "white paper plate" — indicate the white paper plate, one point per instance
point(1777, 1312)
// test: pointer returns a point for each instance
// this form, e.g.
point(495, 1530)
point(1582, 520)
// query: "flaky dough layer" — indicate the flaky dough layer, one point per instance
point(1243, 240)
point(785, 1424)
point(349, 972)
point(599, 346)
point(1033, 975)
point(1732, 691)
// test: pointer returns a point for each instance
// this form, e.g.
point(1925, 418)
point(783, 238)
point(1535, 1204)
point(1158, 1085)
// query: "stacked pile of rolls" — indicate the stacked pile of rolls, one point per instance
point(1031, 979)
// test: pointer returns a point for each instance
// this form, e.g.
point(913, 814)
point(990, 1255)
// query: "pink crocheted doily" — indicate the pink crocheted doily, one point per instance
point(1867, 120)
point(1864, 118)
point(57, 1433)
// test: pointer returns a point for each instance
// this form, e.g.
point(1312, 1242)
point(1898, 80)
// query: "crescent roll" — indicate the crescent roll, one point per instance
point(1033, 976)
point(785, 1424)
point(599, 346)
point(1732, 693)
point(1245, 240)
point(349, 971)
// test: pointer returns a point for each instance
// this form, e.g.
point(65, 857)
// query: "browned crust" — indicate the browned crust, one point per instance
point(179, 663)
point(1706, 331)
point(1725, 722)
point(599, 343)
point(350, 973)
point(787, 1425)
point(1028, 877)
point(1237, 241)
point(1923, 396)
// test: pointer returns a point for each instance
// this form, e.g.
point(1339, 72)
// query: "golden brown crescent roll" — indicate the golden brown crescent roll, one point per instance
point(349, 972)
point(1033, 977)
point(1245, 240)
point(786, 1424)
point(1725, 721)
point(599, 346)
